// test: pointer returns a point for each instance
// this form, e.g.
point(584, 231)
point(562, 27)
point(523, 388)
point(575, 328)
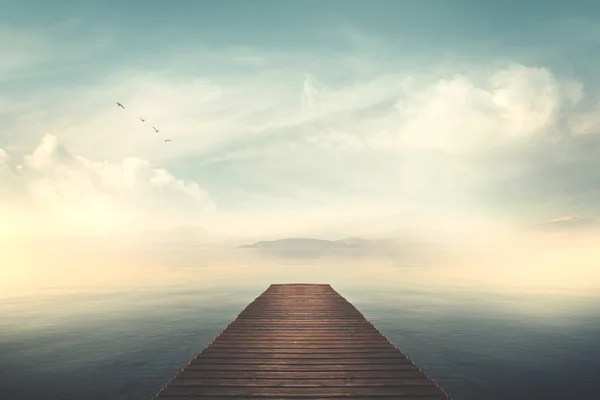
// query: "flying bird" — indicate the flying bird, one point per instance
point(120, 105)
point(142, 119)
point(167, 140)
point(155, 130)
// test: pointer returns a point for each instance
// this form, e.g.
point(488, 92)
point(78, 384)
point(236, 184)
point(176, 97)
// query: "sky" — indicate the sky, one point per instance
point(307, 118)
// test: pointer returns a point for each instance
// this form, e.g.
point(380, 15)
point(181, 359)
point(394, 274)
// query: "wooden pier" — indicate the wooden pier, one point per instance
point(301, 341)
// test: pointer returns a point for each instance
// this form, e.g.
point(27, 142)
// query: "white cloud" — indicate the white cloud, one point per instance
point(336, 140)
point(3, 157)
point(57, 193)
point(395, 111)
point(457, 115)
point(278, 138)
point(528, 99)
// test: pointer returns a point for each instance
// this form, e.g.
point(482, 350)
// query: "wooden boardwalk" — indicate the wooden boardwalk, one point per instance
point(301, 341)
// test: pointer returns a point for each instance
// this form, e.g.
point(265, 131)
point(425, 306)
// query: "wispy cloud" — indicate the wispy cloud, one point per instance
point(306, 141)
point(19, 50)
point(33, 54)
point(568, 224)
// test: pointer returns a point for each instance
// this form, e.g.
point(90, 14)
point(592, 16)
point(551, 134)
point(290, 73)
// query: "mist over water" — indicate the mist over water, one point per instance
point(119, 323)
point(142, 143)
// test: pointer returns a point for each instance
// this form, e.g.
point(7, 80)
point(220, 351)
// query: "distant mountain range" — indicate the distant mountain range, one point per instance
point(406, 251)
point(317, 244)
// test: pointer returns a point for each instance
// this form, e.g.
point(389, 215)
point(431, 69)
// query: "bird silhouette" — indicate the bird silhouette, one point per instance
point(155, 130)
point(168, 140)
point(120, 105)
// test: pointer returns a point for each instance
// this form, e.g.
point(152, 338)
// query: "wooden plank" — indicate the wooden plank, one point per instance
point(315, 375)
point(360, 382)
point(264, 396)
point(258, 351)
point(306, 339)
point(309, 342)
point(396, 391)
point(314, 362)
point(281, 322)
point(302, 367)
point(307, 345)
point(290, 356)
point(301, 341)
point(343, 335)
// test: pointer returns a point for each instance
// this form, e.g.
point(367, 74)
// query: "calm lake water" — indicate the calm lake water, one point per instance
point(122, 324)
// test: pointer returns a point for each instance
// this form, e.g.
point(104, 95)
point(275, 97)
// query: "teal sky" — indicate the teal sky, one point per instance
point(148, 34)
point(313, 115)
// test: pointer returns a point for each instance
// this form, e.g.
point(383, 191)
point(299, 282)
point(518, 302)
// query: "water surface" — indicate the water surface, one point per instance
point(122, 324)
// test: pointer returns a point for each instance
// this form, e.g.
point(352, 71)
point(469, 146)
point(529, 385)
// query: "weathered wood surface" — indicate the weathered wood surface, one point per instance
point(301, 341)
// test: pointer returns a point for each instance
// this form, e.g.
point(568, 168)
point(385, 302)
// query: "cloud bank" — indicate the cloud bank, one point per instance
point(56, 193)
point(279, 151)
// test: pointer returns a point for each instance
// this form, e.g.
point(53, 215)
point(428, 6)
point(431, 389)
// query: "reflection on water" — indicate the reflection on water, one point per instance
point(124, 321)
